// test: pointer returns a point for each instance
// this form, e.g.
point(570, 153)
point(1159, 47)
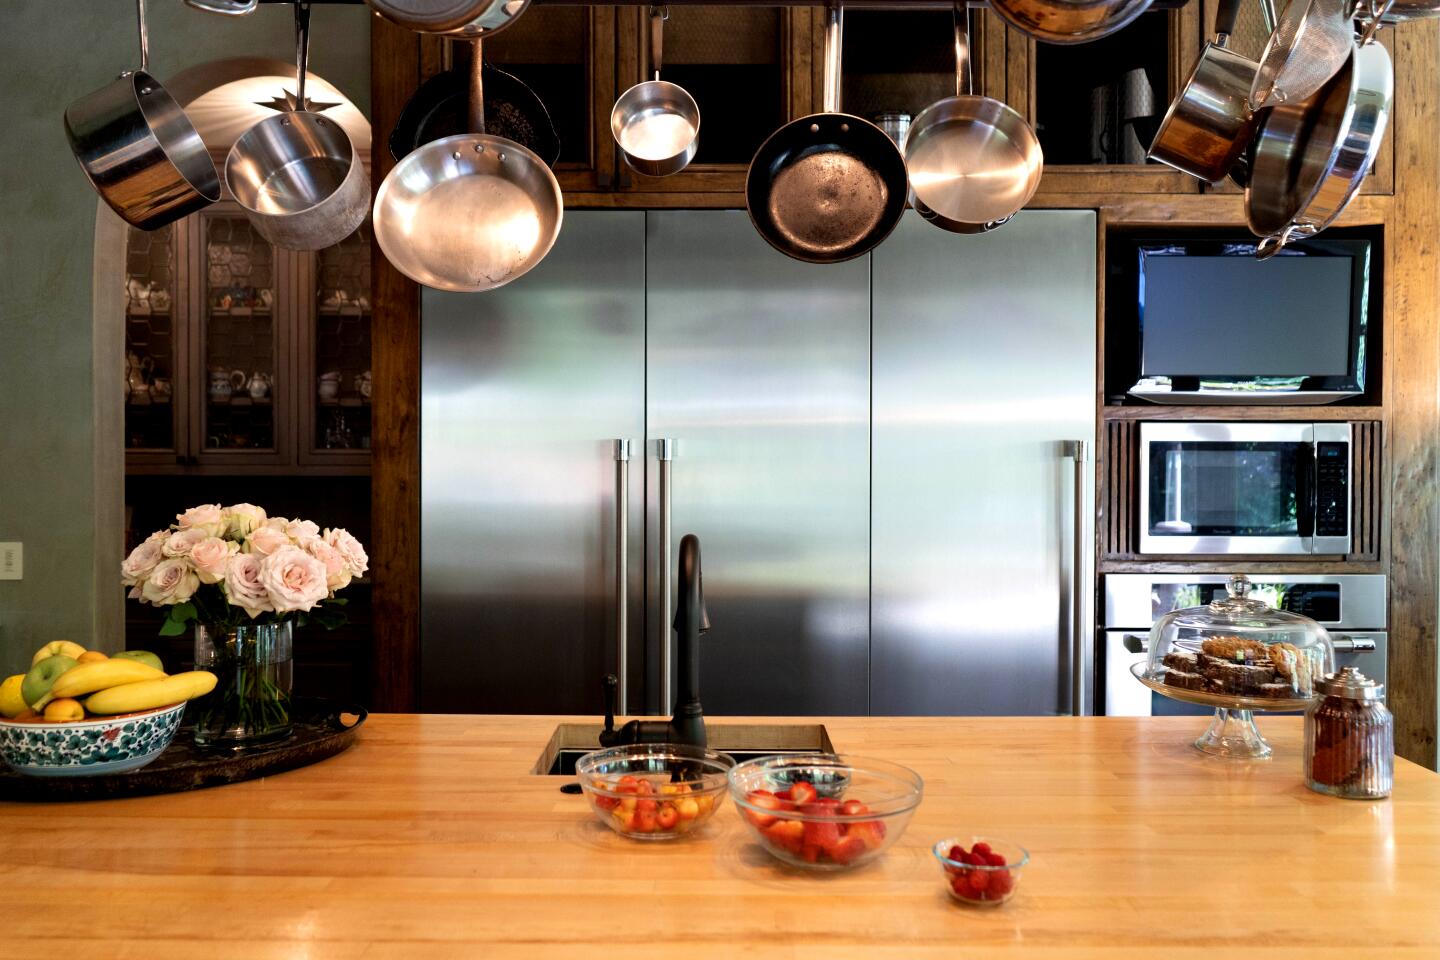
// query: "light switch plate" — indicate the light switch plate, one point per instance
point(12, 560)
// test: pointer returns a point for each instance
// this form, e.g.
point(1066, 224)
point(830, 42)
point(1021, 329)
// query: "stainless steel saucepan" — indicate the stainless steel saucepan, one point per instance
point(297, 175)
point(656, 123)
point(1069, 21)
point(1210, 123)
point(455, 18)
point(471, 212)
point(973, 160)
point(1309, 159)
point(139, 150)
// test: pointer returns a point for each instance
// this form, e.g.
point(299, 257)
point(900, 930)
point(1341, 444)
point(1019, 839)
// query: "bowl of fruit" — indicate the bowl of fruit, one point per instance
point(80, 713)
point(859, 808)
point(981, 871)
point(654, 791)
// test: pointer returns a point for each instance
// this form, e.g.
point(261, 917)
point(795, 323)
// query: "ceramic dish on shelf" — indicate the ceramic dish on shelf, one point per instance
point(86, 748)
point(1238, 655)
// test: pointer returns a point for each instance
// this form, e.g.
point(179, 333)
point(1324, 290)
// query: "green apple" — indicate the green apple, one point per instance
point(144, 656)
point(35, 688)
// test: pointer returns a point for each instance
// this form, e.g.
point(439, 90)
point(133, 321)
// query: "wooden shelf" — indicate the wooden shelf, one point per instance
point(1165, 411)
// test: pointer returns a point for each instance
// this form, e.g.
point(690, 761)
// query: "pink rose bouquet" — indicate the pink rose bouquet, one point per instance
point(234, 565)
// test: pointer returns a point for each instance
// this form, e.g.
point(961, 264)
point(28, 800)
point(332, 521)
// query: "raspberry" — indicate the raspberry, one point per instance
point(981, 847)
point(956, 853)
point(994, 860)
point(979, 880)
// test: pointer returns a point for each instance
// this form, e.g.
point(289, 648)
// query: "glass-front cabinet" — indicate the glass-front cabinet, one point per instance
point(242, 357)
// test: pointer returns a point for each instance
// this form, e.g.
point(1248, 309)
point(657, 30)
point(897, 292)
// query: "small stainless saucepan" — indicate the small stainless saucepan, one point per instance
point(455, 18)
point(139, 150)
point(656, 123)
point(297, 175)
point(1210, 123)
point(973, 160)
point(1069, 21)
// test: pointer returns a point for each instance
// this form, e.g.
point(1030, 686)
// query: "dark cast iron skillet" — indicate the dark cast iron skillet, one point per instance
point(441, 108)
point(828, 187)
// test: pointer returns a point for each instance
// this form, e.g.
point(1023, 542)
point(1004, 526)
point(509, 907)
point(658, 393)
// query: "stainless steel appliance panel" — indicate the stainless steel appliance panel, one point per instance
point(757, 371)
point(1350, 606)
point(984, 374)
point(525, 390)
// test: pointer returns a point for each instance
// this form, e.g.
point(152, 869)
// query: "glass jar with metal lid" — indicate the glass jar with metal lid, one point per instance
point(1350, 738)
point(1237, 654)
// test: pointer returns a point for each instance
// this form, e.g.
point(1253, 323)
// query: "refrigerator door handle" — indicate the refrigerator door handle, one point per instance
point(666, 452)
point(622, 571)
point(1079, 453)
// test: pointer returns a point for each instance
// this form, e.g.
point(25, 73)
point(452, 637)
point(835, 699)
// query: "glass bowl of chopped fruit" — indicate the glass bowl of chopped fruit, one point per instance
point(825, 811)
point(981, 871)
point(654, 791)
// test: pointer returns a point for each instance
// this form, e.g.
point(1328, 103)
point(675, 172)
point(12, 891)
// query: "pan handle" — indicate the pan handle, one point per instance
point(1225, 18)
point(1276, 242)
point(658, 16)
point(964, 75)
point(1375, 11)
point(1267, 13)
point(477, 87)
point(302, 50)
point(144, 36)
point(834, 27)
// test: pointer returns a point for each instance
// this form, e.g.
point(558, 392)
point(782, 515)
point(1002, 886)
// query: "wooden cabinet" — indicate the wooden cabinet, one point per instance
point(242, 357)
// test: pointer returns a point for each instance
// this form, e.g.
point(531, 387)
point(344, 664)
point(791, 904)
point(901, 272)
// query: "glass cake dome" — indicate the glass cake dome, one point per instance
point(1238, 655)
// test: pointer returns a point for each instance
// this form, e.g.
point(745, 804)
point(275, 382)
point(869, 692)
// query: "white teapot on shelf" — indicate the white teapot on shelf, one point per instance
point(259, 385)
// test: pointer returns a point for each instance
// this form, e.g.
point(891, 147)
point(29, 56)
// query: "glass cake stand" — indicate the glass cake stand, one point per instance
point(1232, 734)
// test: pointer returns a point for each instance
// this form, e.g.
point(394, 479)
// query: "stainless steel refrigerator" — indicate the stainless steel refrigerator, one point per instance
point(877, 457)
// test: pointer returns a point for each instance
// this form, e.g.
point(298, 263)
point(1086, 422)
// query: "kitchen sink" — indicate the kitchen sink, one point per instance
point(743, 741)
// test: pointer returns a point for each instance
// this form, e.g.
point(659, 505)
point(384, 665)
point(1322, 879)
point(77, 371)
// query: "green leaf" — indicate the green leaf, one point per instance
point(327, 618)
point(336, 602)
point(172, 628)
point(183, 612)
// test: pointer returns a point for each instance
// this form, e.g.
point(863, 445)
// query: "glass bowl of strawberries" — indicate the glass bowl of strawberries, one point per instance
point(824, 811)
point(653, 791)
point(981, 871)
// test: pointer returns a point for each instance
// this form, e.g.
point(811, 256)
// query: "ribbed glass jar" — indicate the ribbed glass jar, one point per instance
point(1350, 739)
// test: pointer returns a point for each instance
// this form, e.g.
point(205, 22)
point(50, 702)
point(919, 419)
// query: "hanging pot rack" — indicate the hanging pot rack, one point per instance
point(848, 4)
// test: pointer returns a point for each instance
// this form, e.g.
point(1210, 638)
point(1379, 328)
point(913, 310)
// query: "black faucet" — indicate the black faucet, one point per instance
point(688, 723)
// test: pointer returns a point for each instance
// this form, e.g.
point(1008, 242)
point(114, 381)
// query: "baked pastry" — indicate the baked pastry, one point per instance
point(1292, 665)
point(1234, 648)
point(1244, 679)
point(1179, 660)
point(1181, 678)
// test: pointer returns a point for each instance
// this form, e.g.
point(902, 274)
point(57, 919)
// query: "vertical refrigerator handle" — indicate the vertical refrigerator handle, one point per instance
point(666, 452)
point(1079, 453)
point(622, 570)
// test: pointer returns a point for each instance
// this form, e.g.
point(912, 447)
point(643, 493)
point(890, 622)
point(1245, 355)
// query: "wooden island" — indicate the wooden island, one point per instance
point(430, 838)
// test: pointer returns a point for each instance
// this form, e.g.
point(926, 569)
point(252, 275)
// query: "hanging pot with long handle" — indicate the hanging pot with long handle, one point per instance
point(471, 212)
point(1210, 123)
point(441, 108)
point(973, 160)
point(1309, 159)
point(455, 18)
point(828, 187)
point(139, 150)
point(298, 177)
point(1069, 21)
point(1308, 45)
point(656, 123)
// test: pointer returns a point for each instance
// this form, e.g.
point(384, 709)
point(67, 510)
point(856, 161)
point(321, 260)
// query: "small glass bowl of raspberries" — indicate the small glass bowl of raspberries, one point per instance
point(981, 871)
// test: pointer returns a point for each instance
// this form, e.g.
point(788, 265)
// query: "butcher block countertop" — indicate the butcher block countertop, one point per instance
point(430, 839)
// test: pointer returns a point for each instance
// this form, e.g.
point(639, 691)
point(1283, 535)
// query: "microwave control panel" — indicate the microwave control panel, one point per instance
point(1332, 489)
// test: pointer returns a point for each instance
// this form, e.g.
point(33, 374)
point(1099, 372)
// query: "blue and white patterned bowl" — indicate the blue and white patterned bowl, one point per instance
point(88, 748)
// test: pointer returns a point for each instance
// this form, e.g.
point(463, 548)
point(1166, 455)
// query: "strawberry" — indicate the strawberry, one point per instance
point(765, 800)
point(822, 833)
point(847, 849)
point(782, 794)
point(802, 792)
point(787, 834)
point(871, 832)
point(854, 808)
point(810, 853)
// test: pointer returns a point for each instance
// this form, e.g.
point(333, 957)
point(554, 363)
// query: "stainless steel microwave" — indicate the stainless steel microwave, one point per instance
point(1244, 488)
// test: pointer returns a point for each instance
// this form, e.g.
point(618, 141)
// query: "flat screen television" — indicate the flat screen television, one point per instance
point(1214, 325)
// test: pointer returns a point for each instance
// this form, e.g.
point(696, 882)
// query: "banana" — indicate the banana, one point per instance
point(149, 694)
point(89, 677)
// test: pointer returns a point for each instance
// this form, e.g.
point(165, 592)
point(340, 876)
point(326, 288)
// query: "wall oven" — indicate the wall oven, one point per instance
point(1245, 488)
point(1351, 607)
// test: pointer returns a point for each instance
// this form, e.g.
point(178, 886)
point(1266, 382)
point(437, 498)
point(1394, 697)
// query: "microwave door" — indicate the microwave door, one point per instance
point(1226, 488)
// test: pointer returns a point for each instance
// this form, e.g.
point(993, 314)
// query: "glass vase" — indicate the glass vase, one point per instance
point(254, 669)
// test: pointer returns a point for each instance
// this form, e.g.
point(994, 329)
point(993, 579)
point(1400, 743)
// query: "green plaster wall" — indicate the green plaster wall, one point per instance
point(54, 428)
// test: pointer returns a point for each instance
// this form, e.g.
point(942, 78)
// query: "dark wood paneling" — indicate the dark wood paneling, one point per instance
point(395, 57)
point(1366, 490)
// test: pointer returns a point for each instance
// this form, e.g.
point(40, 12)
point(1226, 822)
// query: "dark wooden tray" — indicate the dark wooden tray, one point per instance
point(321, 731)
